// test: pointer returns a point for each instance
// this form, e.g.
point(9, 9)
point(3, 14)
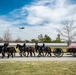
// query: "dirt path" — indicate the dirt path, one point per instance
point(52, 58)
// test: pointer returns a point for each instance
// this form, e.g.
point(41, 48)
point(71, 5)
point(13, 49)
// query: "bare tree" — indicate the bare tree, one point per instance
point(67, 31)
point(7, 35)
point(1, 39)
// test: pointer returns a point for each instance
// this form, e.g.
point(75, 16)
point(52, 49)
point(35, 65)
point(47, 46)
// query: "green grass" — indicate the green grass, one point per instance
point(62, 47)
point(38, 68)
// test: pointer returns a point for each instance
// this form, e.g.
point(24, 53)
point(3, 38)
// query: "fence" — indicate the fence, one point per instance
point(32, 44)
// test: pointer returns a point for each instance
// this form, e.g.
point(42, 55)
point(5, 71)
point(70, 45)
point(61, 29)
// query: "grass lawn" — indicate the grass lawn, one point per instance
point(38, 68)
point(62, 47)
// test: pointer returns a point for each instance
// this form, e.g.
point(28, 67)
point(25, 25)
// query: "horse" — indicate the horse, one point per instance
point(31, 51)
point(6, 49)
point(5, 45)
point(47, 50)
point(21, 49)
point(1, 48)
point(11, 51)
point(1, 51)
point(40, 50)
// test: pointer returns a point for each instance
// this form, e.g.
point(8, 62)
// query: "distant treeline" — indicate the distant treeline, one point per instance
point(40, 39)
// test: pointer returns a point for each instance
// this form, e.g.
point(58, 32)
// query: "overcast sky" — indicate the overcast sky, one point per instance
point(37, 16)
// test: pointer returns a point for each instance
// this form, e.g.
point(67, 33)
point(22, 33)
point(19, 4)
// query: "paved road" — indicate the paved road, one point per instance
point(52, 58)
